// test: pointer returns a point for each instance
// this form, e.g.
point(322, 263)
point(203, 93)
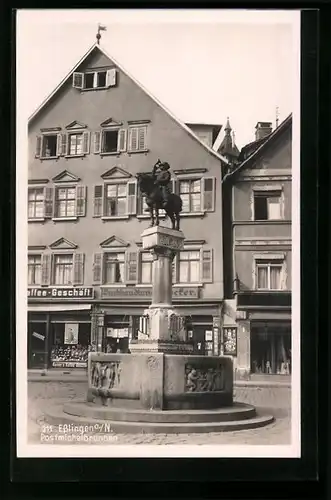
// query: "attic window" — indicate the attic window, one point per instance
point(94, 79)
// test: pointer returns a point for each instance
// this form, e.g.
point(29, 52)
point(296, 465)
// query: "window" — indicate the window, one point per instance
point(116, 199)
point(110, 141)
point(63, 269)
point(75, 144)
point(146, 267)
point(267, 205)
point(114, 265)
point(49, 146)
point(34, 269)
point(269, 275)
point(190, 193)
point(189, 266)
point(138, 138)
point(94, 79)
point(36, 203)
point(65, 202)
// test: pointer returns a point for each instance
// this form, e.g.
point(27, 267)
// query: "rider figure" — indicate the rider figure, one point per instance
point(162, 177)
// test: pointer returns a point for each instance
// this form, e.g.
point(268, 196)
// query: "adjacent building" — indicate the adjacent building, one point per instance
point(89, 279)
point(257, 253)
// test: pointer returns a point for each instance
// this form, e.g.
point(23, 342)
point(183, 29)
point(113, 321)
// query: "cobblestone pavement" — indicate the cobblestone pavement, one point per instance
point(274, 400)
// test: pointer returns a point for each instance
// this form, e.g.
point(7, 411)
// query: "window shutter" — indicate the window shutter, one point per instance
point(78, 80)
point(38, 146)
point(97, 268)
point(208, 194)
point(81, 201)
point(98, 201)
point(174, 269)
point(96, 142)
point(48, 202)
point(142, 138)
point(78, 269)
point(58, 144)
point(63, 149)
point(133, 139)
point(131, 267)
point(111, 77)
point(86, 143)
point(121, 143)
point(206, 265)
point(132, 198)
point(46, 268)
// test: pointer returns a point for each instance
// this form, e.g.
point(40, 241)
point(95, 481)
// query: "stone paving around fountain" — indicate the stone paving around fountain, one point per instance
point(275, 400)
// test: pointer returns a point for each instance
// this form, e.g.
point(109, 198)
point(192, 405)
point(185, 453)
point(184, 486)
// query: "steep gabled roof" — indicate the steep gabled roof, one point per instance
point(120, 67)
point(262, 145)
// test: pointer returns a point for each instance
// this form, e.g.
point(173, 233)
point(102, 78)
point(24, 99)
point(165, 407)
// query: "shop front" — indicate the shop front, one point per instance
point(59, 334)
point(271, 347)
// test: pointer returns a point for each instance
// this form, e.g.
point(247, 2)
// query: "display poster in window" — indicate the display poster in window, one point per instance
point(230, 341)
point(71, 333)
point(208, 335)
point(109, 332)
point(117, 333)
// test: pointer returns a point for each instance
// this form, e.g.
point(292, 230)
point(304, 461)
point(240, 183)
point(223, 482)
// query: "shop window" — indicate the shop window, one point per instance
point(271, 349)
point(34, 270)
point(267, 206)
point(146, 267)
point(114, 268)
point(269, 275)
point(36, 202)
point(70, 345)
point(63, 269)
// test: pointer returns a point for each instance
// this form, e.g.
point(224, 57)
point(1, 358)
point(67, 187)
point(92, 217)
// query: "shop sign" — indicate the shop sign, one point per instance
point(146, 293)
point(38, 336)
point(118, 333)
point(61, 293)
point(230, 341)
point(69, 364)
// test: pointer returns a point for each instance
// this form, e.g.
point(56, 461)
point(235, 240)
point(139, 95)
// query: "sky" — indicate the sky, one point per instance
point(202, 65)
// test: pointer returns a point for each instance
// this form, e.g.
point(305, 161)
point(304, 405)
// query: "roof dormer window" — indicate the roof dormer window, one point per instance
point(94, 79)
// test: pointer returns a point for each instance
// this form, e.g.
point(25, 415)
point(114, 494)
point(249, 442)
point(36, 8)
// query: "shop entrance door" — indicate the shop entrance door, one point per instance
point(37, 355)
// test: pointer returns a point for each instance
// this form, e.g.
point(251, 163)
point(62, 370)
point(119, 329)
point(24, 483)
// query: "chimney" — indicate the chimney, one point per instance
point(262, 129)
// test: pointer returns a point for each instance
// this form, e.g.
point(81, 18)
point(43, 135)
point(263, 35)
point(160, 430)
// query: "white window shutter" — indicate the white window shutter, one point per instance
point(81, 201)
point(63, 149)
point(133, 139)
point(38, 146)
point(58, 144)
point(111, 77)
point(98, 200)
point(131, 267)
point(95, 80)
point(46, 269)
point(48, 202)
point(132, 198)
point(86, 143)
point(142, 132)
point(97, 268)
point(78, 269)
point(208, 194)
point(121, 142)
point(78, 80)
point(96, 142)
point(206, 265)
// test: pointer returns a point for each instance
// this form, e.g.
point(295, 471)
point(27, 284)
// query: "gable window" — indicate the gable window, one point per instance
point(63, 269)
point(269, 274)
point(193, 266)
point(49, 146)
point(36, 202)
point(94, 79)
point(114, 268)
point(116, 199)
point(75, 144)
point(267, 205)
point(146, 267)
point(65, 202)
point(137, 138)
point(34, 269)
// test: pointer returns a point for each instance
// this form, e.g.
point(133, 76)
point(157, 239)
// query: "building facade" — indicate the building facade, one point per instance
point(89, 279)
point(257, 253)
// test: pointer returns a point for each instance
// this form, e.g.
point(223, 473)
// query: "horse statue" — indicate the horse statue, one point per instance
point(155, 187)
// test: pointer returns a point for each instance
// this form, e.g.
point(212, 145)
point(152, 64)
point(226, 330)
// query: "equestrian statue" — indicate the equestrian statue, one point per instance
point(156, 187)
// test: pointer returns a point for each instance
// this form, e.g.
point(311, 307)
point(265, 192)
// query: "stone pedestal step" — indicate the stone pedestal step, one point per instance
point(239, 411)
point(56, 416)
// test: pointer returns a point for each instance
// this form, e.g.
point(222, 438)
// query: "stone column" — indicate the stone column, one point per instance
point(243, 364)
point(166, 328)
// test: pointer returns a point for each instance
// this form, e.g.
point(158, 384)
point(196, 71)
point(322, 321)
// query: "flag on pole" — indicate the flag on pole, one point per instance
point(102, 27)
